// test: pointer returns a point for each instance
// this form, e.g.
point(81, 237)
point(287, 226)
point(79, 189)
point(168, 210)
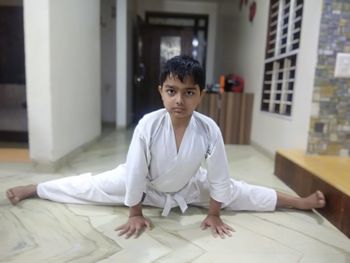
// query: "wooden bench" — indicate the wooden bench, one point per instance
point(330, 174)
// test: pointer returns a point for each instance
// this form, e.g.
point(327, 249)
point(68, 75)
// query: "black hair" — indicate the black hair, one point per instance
point(181, 67)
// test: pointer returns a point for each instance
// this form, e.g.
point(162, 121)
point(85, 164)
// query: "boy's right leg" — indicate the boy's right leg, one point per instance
point(104, 188)
point(18, 193)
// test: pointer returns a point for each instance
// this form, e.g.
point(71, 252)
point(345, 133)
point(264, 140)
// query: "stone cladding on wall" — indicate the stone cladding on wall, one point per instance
point(329, 132)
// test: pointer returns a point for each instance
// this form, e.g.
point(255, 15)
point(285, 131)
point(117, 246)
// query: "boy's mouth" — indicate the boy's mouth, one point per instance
point(178, 109)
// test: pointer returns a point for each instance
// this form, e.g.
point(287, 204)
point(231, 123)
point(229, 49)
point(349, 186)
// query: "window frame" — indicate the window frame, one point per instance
point(281, 56)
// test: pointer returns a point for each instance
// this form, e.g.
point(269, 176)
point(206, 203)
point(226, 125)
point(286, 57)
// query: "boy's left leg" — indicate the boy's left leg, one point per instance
point(248, 197)
point(244, 197)
point(257, 198)
point(315, 200)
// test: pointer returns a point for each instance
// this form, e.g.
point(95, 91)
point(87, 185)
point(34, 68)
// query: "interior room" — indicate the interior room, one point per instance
point(77, 76)
point(13, 115)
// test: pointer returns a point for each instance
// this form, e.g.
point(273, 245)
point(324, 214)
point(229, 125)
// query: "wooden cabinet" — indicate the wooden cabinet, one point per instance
point(232, 112)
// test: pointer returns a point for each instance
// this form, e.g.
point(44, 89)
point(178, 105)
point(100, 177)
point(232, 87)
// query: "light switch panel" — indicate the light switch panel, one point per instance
point(342, 66)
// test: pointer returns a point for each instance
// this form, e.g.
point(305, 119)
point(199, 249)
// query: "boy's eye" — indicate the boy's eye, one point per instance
point(170, 92)
point(190, 93)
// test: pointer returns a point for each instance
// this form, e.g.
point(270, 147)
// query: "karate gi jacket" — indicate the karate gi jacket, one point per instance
point(154, 166)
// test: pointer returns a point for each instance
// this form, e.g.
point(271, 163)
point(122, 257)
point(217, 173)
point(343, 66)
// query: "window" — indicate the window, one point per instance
point(283, 40)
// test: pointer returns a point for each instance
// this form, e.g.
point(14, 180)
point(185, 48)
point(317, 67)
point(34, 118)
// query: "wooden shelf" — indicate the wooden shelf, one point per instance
point(233, 114)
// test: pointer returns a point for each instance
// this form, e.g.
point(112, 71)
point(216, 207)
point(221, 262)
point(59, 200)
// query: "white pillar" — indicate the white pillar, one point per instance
point(39, 92)
point(62, 49)
point(121, 65)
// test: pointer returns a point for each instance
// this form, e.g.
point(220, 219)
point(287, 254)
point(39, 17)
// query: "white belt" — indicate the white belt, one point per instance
point(170, 198)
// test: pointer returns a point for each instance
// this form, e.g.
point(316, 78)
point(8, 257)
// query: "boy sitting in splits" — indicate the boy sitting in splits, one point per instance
point(176, 158)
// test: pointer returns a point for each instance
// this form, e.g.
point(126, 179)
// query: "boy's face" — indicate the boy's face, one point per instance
point(180, 98)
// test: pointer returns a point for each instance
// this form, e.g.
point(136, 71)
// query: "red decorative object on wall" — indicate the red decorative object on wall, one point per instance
point(252, 11)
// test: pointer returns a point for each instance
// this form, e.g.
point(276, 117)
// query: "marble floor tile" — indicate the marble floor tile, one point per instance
point(43, 231)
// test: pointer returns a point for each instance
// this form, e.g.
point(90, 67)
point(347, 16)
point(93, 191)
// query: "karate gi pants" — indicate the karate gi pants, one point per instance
point(108, 188)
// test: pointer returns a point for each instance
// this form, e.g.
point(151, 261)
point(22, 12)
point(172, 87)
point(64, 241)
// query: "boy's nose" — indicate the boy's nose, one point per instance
point(179, 99)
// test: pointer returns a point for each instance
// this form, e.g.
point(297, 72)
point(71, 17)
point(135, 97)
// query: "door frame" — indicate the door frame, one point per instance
point(199, 23)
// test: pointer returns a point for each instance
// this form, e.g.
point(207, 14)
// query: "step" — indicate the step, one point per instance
point(331, 174)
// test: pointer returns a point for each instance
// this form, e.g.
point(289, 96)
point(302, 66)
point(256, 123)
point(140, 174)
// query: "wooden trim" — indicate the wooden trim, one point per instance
point(305, 182)
point(233, 114)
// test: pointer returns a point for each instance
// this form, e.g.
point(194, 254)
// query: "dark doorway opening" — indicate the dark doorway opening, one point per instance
point(13, 105)
point(160, 37)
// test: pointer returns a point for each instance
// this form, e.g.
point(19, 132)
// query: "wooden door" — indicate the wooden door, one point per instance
point(155, 44)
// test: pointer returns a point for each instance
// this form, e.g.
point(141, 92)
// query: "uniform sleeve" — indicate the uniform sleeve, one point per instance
point(136, 169)
point(217, 171)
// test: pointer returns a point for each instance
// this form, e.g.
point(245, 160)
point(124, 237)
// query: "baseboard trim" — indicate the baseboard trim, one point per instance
point(54, 166)
point(262, 150)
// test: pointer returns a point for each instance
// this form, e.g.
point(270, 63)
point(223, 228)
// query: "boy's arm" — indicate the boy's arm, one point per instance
point(214, 207)
point(135, 210)
point(218, 170)
point(136, 223)
point(213, 220)
point(136, 169)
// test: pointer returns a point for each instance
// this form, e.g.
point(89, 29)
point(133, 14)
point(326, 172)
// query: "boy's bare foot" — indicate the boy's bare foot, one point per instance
point(315, 200)
point(18, 193)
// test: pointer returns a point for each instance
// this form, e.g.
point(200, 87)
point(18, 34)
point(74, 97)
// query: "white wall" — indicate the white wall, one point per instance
point(37, 60)
point(192, 8)
point(124, 76)
point(108, 59)
point(226, 48)
point(244, 45)
point(62, 46)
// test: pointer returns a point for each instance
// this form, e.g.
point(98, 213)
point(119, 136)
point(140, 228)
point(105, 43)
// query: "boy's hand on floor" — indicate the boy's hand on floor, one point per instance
point(134, 227)
point(218, 227)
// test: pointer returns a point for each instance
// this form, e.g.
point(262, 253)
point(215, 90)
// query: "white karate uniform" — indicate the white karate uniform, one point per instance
point(165, 177)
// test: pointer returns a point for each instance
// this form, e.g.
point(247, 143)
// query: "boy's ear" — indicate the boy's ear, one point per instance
point(160, 91)
point(203, 92)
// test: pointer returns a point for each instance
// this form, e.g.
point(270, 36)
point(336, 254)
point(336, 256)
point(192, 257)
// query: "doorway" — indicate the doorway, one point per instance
point(160, 37)
point(13, 105)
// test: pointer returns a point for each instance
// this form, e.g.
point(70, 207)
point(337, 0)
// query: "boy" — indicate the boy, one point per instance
point(165, 165)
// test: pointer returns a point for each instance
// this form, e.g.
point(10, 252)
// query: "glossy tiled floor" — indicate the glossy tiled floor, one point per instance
point(43, 231)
